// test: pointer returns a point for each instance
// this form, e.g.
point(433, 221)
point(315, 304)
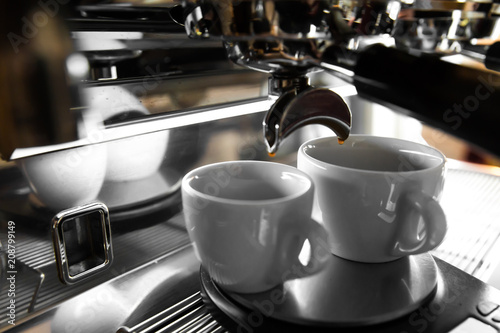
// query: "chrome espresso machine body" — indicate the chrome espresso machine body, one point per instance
point(105, 105)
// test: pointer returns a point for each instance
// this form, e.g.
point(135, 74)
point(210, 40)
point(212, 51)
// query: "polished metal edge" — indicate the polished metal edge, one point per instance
point(60, 247)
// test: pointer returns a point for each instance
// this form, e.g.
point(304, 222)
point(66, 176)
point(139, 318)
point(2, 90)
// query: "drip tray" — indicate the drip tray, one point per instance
point(344, 293)
point(348, 293)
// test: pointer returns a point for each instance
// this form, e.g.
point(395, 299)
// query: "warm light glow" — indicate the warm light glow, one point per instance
point(496, 30)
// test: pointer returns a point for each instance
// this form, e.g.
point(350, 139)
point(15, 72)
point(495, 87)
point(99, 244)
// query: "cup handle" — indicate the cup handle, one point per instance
point(313, 257)
point(408, 236)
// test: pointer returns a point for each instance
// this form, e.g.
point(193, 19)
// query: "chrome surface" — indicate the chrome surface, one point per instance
point(161, 296)
point(346, 293)
point(142, 231)
point(232, 133)
point(457, 299)
point(104, 73)
point(75, 235)
point(212, 111)
point(121, 302)
point(189, 315)
point(289, 39)
point(283, 37)
point(171, 102)
point(473, 240)
point(38, 288)
point(302, 105)
point(137, 151)
point(150, 125)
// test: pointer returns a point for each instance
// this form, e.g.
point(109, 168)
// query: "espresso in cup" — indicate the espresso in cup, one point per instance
point(378, 197)
point(249, 221)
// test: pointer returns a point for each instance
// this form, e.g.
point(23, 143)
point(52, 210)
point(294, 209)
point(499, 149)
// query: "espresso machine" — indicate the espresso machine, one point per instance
point(106, 105)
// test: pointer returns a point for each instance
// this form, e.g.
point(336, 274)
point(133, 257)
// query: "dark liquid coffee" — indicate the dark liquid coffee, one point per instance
point(373, 156)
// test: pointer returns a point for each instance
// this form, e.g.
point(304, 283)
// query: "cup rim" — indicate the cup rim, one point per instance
point(326, 165)
point(190, 190)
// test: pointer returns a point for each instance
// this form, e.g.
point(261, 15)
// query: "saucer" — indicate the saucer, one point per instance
point(343, 294)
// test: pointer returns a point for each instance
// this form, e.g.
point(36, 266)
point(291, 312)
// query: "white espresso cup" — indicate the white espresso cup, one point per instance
point(250, 221)
point(378, 197)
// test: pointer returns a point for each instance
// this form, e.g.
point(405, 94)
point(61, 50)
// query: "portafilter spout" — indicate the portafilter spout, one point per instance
point(300, 104)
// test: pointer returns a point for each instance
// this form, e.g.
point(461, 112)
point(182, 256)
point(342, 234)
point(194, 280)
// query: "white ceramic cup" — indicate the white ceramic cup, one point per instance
point(378, 197)
point(66, 178)
point(133, 158)
point(248, 222)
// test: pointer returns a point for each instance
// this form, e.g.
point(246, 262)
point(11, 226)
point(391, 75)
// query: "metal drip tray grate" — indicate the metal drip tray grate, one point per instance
point(37, 284)
point(471, 201)
point(187, 316)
